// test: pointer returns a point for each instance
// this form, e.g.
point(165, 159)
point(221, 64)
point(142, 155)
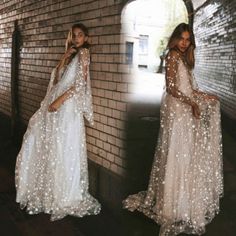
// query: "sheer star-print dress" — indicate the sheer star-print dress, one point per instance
point(186, 180)
point(51, 169)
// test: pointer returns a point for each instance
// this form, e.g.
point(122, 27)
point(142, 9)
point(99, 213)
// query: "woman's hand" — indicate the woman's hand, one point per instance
point(196, 110)
point(212, 97)
point(55, 105)
point(69, 52)
point(205, 95)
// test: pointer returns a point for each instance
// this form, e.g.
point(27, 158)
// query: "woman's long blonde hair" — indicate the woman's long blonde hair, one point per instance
point(69, 44)
point(175, 37)
point(69, 40)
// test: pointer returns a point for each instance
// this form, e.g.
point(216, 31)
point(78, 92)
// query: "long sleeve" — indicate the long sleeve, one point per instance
point(84, 60)
point(194, 82)
point(81, 89)
point(81, 74)
point(52, 78)
point(172, 61)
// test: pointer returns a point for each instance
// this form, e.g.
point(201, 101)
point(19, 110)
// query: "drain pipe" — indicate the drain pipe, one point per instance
point(15, 52)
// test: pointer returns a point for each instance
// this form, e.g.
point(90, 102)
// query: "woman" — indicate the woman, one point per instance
point(51, 168)
point(186, 178)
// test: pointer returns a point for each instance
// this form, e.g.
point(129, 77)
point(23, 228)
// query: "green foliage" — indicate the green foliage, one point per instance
point(176, 15)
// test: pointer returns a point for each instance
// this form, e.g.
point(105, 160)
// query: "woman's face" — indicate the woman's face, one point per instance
point(78, 37)
point(184, 41)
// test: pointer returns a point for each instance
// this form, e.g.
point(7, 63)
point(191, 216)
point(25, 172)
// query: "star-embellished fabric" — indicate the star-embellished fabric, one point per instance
point(186, 180)
point(51, 172)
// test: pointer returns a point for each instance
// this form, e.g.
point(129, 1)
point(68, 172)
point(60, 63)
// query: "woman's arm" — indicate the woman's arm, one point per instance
point(172, 62)
point(64, 59)
point(205, 95)
point(61, 99)
point(83, 61)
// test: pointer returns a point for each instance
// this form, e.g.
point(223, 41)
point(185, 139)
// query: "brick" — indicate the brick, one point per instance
point(215, 57)
point(106, 164)
point(110, 157)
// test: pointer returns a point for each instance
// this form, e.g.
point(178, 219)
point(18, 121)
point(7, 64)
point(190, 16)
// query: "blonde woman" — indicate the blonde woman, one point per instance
point(186, 178)
point(51, 168)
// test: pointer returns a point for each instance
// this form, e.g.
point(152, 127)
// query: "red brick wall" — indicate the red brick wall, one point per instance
point(215, 31)
point(44, 25)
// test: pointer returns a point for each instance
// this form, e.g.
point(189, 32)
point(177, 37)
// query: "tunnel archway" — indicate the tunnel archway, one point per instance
point(188, 5)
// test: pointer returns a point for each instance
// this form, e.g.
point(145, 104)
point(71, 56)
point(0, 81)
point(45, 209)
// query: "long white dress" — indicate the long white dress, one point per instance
point(51, 172)
point(186, 180)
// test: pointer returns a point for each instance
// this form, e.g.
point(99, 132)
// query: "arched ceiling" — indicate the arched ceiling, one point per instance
point(197, 3)
point(191, 6)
